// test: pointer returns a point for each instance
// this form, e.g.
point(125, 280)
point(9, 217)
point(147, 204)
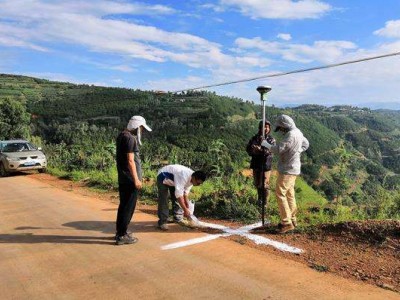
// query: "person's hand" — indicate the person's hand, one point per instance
point(186, 213)
point(266, 144)
point(256, 147)
point(138, 184)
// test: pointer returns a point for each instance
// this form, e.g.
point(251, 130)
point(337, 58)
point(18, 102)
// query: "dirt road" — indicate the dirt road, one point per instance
point(57, 244)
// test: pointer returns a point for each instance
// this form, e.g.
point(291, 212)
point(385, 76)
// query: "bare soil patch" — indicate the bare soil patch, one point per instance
point(365, 250)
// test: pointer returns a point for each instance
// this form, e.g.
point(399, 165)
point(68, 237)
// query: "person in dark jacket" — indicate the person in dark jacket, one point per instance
point(129, 176)
point(261, 160)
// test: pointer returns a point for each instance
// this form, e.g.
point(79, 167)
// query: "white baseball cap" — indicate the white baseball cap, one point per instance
point(136, 122)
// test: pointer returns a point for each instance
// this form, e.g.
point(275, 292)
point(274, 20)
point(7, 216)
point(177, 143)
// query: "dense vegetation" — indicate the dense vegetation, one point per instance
point(351, 170)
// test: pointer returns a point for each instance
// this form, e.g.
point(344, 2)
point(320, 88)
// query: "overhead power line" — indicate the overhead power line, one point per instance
point(291, 72)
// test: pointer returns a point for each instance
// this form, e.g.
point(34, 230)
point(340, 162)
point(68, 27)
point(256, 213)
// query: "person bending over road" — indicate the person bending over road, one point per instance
point(177, 180)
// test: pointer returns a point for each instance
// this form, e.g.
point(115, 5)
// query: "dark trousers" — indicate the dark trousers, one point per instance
point(262, 189)
point(163, 209)
point(127, 202)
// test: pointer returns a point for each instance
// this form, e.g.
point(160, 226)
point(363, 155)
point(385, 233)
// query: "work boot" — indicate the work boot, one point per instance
point(285, 228)
point(125, 240)
point(163, 227)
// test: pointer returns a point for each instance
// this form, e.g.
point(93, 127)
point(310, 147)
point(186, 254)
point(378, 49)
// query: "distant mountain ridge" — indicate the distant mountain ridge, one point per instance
point(370, 105)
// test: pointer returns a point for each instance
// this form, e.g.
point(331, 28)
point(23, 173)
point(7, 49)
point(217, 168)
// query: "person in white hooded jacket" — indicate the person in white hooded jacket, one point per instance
point(289, 165)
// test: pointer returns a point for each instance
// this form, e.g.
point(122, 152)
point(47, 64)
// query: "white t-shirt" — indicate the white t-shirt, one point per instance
point(178, 176)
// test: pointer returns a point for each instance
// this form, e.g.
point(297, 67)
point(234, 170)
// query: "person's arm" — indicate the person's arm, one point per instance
point(183, 202)
point(186, 199)
point(250, 148)
point(305, 144)
point(181, 193)
point(271, 140)
point(253, 148)
point(285, 145)
point(132, 169)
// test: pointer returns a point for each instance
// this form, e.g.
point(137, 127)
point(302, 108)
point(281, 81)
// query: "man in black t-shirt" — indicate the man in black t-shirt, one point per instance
point(129, 176)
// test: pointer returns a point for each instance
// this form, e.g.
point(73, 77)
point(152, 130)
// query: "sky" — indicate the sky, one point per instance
point(174, 45)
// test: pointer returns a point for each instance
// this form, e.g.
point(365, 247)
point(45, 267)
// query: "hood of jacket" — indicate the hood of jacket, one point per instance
point(284, 121)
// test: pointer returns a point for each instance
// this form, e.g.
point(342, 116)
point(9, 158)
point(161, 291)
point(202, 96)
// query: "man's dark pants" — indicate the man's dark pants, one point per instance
point(163, 209)
point(127, 202)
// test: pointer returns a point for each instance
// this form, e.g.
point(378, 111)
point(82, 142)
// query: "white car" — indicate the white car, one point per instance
point(20, 155)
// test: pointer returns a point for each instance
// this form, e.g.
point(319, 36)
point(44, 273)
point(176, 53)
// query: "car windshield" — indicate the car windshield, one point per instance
point(18, 147)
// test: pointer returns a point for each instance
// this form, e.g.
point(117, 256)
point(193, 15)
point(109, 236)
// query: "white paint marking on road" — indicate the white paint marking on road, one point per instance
point(260, 240)
point(213, 226)
point(208, 237)
point(242, 231)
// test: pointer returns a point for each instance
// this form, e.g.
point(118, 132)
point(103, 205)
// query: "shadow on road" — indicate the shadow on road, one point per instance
point(16, 174)
point(30, 238)
point(149, 211)
point(106, 227)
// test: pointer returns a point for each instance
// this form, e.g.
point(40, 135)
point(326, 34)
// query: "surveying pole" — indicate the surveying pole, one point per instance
point(263, 90)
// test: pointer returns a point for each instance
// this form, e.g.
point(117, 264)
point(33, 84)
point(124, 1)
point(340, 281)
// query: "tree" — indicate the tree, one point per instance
point(14, 120)
point(220, 160)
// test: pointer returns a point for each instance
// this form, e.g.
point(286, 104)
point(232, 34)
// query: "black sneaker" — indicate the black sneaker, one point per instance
point(125, 239)
point(128, 233)
point(163, 227)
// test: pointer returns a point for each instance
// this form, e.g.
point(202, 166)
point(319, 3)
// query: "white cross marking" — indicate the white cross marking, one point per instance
point(242, 231)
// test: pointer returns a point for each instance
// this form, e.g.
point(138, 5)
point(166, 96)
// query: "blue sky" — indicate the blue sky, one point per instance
point(173, 45)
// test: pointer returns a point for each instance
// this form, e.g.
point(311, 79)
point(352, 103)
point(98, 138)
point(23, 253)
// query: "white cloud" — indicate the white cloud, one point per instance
point(71, 79)
point(174, 84)
point(44, 25)
point(253, 61)
point(14, 42)
point(53, 76)
point(258, 43)
point(122, 68)
point(216, 8)
point(40, 8)
point(373, 81)
point(284, 36)
point(279, 9)
point(391, 29)
point(12, 36)
point(118, 81)
point(36, 23)
point(321, 51)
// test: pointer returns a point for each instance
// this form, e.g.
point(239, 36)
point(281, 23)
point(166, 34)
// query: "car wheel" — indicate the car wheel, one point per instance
point(3, 171)
point(42, 170)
